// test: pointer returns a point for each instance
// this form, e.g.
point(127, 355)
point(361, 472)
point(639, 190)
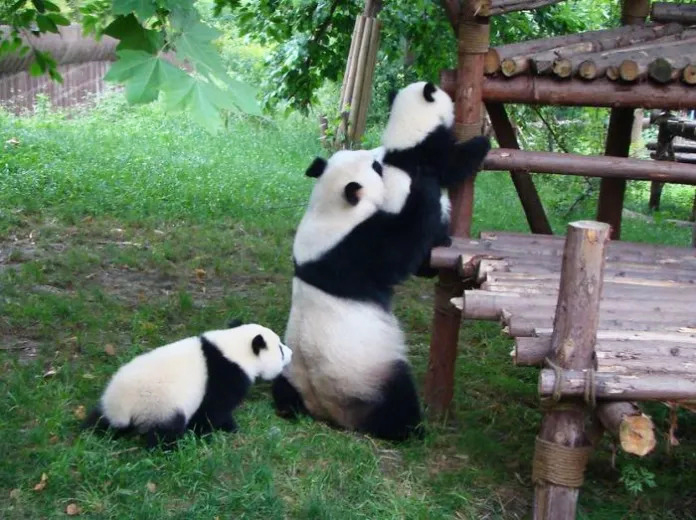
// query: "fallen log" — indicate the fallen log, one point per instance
point(625, 421)
point(620, 387)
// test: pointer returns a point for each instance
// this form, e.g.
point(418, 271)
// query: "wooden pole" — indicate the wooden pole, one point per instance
point(473, 40)
point(526, 191)
point(611, 191)
point(664, 153)
point(634, 430)
point(505, 159)
point(670, 12)
point(542, 90)
point(574, 334)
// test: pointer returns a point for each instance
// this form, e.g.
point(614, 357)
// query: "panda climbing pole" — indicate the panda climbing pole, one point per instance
point(473, 37)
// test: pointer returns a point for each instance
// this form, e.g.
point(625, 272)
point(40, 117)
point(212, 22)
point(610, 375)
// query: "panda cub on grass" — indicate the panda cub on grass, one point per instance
point(419, 141)
point(349, 366)
point(194, 383)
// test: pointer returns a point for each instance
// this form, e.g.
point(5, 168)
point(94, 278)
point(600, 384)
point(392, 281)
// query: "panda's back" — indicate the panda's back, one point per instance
point(346, 345)
point(155, 385)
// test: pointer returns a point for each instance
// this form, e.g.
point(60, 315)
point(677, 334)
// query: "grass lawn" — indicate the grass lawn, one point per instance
point(124, 229)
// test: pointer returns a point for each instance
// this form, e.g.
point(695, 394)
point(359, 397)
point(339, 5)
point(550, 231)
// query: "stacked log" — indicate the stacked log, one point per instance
point(661, 52)
point(673, 12)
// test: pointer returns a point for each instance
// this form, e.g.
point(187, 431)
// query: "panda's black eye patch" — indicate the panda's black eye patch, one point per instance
point(377, 167)
point(258, 344)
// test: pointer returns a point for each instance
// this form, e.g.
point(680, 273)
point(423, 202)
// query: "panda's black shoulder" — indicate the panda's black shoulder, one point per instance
point(431, 152)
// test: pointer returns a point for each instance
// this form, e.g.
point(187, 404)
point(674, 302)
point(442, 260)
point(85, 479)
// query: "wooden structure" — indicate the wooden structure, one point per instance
point(627, 68)
point(82, 62)
point(606, 334)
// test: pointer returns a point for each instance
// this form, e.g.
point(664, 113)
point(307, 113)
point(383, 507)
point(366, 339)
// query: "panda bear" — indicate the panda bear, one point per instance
point(194, 383)
point(349, 366)
point(419, 141)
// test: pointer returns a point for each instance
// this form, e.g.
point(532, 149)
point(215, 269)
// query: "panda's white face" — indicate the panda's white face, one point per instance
point(417, 110)
point(349, 189)
point(256, 349)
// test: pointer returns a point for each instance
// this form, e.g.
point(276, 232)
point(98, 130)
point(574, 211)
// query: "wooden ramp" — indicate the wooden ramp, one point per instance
point(610, 323)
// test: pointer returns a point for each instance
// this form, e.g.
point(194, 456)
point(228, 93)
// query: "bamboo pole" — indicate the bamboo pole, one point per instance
point(366, 87)
point(572, 343)
point(505, 159)
point(358, 94)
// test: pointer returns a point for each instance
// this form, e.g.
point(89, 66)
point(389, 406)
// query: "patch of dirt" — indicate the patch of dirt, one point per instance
point(26, 349)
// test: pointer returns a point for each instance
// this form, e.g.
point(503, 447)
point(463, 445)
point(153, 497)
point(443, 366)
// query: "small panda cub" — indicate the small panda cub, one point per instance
point(194, 383)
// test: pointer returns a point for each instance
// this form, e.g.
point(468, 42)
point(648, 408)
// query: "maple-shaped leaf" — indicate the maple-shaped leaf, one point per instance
point(143, 75)
point(193, 45)
point(143, 8)
point(202, 99)
point(134, 36)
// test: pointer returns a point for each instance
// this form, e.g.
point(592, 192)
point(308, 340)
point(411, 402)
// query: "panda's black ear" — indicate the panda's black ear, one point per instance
point(376, 166)
point(428, 90)
point(316, 168)
point(234, 323)
point(258, 344)
point(351, 193)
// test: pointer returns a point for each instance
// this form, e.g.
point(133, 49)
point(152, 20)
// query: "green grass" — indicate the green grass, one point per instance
point(128, 228)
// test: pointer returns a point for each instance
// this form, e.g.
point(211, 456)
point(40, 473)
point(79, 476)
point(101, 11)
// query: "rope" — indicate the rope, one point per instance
point(560, 465)
point(590, 386)
point(557, 379)
point(474, 37)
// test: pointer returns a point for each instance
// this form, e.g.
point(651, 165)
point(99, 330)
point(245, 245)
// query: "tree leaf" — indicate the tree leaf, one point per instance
point(134, 36)
point(46, 24)
point(143, 75)
point(244, 97)
point(204, 100)
point(193, 44)
point(143, 8)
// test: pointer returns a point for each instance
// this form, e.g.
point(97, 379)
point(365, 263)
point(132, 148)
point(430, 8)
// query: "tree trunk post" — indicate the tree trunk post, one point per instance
point(473, 39)
point(664, 152)
point(611, 191)
point(562, 447)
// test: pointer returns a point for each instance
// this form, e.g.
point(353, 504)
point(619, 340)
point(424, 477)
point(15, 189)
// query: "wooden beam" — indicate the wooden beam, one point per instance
point(673, 12)
point(621, 387)
point(509, 6)
point(541, 90)
point(505, 159)
point(572, 344)
point(526, 191)
point(676, 147)
point(634, 430)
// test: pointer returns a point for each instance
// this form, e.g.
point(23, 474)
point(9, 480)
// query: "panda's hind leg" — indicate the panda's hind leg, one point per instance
point(167, 432)
point(287, 400)
point(397, 416)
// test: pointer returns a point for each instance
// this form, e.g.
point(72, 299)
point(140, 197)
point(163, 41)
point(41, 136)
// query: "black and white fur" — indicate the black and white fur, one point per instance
point(194, 383)
point(349, 366)
point(419, 141)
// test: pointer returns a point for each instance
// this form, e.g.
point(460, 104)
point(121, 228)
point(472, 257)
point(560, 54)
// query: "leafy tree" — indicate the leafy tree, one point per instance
point(164, 48)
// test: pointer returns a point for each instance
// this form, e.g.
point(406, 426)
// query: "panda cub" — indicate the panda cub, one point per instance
point(419, 141)
point(194, 383)
point(349, 366)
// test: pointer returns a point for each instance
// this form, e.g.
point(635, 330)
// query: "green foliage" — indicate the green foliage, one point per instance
point(637, 478)
point(148, 31)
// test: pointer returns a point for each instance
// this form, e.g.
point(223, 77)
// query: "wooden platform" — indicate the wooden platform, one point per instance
point(647, 315)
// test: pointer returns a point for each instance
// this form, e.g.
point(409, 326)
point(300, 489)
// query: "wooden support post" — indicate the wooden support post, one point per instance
point(526, 191)
point(572, 343)
point(473, 39)
point(664, 153)
point(611, 191)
